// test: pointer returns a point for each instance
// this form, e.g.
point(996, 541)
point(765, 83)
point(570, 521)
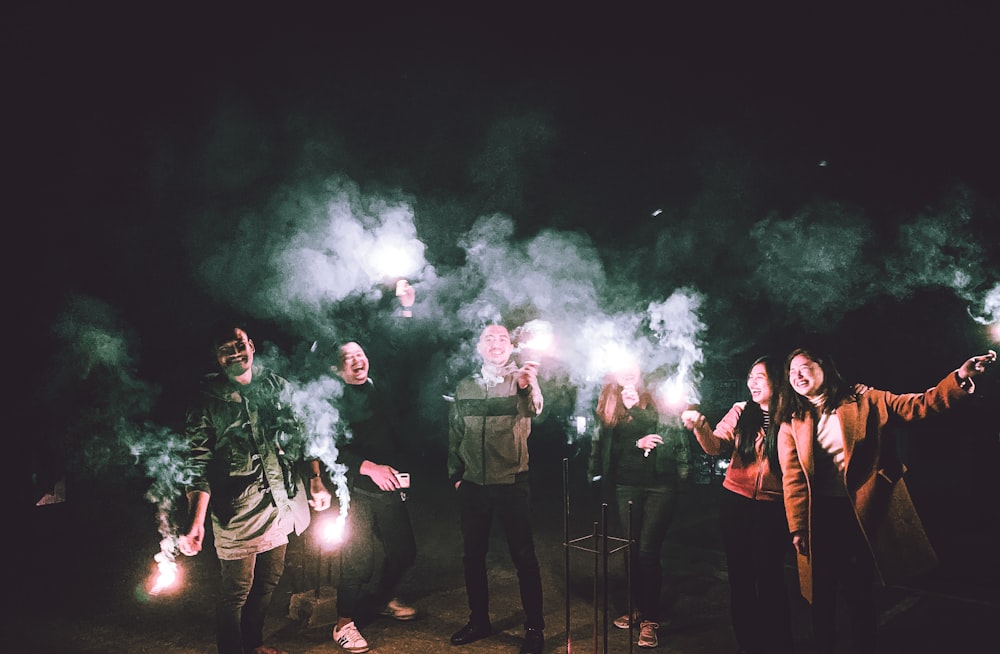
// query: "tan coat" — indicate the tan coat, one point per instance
point(873, 476)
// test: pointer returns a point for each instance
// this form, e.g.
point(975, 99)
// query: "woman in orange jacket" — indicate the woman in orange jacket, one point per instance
point(751, 512)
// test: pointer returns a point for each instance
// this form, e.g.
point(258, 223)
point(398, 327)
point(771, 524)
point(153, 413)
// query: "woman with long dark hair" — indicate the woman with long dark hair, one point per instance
point(751, 512)
point(849, 512)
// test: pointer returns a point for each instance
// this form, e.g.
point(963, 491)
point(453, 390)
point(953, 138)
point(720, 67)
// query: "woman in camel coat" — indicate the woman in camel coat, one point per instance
point(849, 513)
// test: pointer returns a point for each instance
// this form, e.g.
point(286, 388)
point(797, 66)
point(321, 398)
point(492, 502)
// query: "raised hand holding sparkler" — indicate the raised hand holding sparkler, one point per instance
point(976, 365)
point(406, 295)
point(527, 375)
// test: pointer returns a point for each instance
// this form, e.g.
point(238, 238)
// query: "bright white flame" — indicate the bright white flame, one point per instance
point(395, 257)
point(333, 532)
point(675, 392)
point(535, 336)
point(167, 570)
point(581, 424)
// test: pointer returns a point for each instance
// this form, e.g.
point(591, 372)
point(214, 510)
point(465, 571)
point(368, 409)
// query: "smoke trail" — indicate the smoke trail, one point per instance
point(314, 403)
point(307, 250)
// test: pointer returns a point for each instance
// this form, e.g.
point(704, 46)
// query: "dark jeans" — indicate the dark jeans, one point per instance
point(247, 586)
point(511, 504)
point(757, 542)
point(375, 521)
point(841, 562)
point(652, 512)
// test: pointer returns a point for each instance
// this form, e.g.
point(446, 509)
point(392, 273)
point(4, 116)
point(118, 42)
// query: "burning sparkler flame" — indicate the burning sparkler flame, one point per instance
point(676, 393)
point(534, 336)
point(334, 531)
point(168, 572)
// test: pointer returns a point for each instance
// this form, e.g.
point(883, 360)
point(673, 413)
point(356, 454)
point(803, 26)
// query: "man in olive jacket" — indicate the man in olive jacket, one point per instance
point(489, 424)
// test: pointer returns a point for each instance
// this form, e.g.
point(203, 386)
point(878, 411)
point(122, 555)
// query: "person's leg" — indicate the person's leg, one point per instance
point(267, 571)
point(513, 505)
point(394, 530)
point(631, 513)
point(657, 514)
point(237, 579)
point(831, 520)
point(356, 558)
point(859, 596)
point(476, 518)
point(736, 522)
point(772, 546)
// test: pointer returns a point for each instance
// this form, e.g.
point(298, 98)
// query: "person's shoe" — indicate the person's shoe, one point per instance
point(622, 621)
point(398, 611)
point(534, 642)
point(349, 638)
point(471, 632)
point(647, 634)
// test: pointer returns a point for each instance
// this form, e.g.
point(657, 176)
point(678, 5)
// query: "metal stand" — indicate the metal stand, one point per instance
point(600, 548)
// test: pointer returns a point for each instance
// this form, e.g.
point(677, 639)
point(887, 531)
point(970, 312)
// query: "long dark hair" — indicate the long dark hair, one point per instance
point(753, 418)
point(835, 389)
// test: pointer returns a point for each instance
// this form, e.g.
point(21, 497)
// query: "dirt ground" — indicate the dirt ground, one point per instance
point(81, 577)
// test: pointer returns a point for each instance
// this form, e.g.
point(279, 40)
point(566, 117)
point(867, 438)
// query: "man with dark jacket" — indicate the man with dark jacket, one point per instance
point(378, 520)
point(246, 455)
point(489, 425)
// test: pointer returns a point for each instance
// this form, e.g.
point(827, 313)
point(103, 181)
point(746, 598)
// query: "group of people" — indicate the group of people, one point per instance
point(813, 466)
point(810, 469)
point(247, 463)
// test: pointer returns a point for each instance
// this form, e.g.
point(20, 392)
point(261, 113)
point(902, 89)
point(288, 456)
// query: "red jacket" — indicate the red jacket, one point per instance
point(755, 479)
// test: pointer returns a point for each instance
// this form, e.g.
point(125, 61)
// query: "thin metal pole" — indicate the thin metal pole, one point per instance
point(597, 556)
point(604, 556)
point(628, 579)
point(569, 644)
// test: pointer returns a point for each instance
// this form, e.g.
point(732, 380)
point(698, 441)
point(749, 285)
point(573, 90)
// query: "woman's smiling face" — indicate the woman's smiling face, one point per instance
point(805, 376)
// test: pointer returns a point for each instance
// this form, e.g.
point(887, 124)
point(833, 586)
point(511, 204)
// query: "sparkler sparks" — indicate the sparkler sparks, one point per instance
point(534, 338)
point(676, 393)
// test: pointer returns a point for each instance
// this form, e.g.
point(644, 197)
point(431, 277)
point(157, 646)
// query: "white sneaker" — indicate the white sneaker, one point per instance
point(350, 638)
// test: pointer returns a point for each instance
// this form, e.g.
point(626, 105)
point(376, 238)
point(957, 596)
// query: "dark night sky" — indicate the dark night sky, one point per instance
point(138, 141)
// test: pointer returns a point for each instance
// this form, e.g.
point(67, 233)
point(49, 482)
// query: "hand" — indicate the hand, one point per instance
point(190, 543)
point(693, 419)
point(528, 375)
point(977, 365)
point(320, 496)
point(630, 397)
point(383, 476)
point(800, 541)
point(649, 442)
point(861, 389)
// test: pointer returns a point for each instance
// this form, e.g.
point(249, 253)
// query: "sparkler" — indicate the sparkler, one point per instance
point(336, 529)
point(534, 338)
point(676, 393)
point(168, 573)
